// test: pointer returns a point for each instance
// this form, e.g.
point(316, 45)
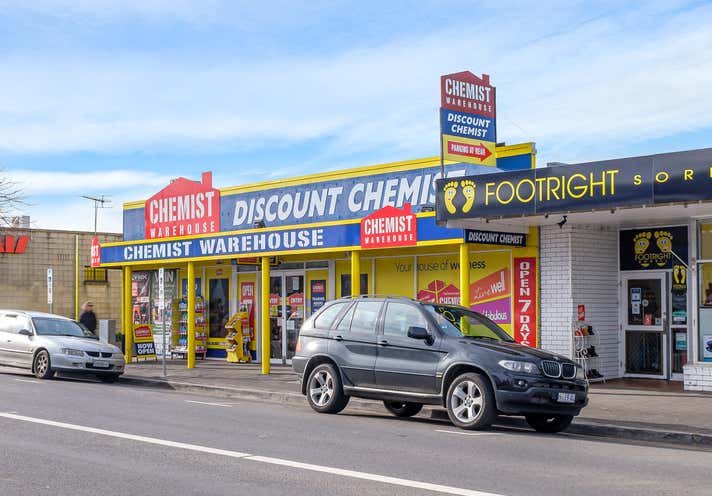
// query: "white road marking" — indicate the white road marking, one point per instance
point(208, 403)
point(30, 381)
point(460, 433)
point(396, 481)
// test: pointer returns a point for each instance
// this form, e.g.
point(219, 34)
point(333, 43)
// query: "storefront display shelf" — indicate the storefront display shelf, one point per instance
point(583, 346)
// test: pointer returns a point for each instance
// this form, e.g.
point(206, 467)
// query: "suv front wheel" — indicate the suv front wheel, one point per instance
point(470, 402)
point(324, 391)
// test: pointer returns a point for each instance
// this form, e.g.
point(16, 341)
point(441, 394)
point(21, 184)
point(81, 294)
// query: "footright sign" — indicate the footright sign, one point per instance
point(183, 208)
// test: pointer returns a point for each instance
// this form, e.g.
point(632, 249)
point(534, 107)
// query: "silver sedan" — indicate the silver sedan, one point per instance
point(46, 343)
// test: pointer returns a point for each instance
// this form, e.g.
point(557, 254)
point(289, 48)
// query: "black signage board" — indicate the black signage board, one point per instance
point(495, 238)
point(653, 249)
point(628, 182)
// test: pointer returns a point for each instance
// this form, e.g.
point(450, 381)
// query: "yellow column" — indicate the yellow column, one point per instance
point(191, 315)
point(127, 316)
point(465, 275)
point(264, 315)
point(355, 273)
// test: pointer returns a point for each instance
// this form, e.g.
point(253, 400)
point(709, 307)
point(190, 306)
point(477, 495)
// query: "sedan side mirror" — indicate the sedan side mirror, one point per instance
point(25, 332)
point(420, 333)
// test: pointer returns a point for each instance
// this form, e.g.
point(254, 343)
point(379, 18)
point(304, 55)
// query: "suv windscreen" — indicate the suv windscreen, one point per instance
point(457, 322)
point(45, 326)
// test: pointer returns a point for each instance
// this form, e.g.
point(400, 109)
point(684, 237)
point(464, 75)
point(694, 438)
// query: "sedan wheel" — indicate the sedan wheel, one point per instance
point(42, 367)
point(470, 402)
point(324, 391)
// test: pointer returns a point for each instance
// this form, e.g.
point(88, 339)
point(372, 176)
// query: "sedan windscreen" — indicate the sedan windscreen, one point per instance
point(45, 326)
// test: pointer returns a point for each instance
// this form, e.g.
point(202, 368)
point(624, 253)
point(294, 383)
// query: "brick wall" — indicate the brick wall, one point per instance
point(579, 266)
point(698, 376)
point(23, 277)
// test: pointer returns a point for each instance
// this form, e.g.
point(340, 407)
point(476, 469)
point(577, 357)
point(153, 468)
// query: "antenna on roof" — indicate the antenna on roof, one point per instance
point(99, 202)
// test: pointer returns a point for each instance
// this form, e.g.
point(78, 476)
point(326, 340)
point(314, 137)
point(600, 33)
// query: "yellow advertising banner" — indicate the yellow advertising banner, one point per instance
point(474, 151)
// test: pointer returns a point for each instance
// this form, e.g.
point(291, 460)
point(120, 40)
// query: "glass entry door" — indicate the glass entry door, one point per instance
point(286, 312)
point(645, 324)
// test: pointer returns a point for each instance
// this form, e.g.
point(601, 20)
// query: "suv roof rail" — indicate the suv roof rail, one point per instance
point(401, 297)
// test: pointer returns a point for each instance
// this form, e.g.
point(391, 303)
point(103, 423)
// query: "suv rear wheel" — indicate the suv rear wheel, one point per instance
point(324, 391)
point(403, 408)
point(549, 423)
point(470, 402)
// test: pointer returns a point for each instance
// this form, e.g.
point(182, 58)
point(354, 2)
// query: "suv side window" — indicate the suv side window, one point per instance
point(326, 318)
point(345, 323)
point(366, 316)
point(400, 317)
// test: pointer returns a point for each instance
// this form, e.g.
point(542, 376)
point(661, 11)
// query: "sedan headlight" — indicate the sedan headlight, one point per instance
point(520, 367)
point(73, 352)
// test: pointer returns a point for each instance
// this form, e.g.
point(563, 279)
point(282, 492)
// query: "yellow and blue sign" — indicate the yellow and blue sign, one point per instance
point(635, 181)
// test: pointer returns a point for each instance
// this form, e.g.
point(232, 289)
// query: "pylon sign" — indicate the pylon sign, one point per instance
point(468, 124)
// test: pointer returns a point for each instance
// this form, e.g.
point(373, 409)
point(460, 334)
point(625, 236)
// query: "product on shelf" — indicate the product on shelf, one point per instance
point(584, 341)
point(180, 337)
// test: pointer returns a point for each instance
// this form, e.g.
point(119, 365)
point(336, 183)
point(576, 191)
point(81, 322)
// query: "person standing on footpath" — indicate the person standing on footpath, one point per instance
point(88, 318)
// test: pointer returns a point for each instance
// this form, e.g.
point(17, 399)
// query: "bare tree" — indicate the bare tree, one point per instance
point(11, 198)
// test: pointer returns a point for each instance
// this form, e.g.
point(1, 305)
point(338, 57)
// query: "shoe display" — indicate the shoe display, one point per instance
point(591, 351)
point(594, 374)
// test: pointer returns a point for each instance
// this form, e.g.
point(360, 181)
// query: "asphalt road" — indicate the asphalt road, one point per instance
point(85, 438)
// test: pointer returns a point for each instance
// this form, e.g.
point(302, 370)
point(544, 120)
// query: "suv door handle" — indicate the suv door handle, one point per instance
point(338, 337)
point(383, 342)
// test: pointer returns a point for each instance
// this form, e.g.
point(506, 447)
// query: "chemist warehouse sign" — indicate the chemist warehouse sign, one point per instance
point(652, 180)
point(279, 241)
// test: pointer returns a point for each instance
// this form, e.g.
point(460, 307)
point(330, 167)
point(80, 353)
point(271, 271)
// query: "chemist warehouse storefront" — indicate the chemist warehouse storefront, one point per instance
point(625, 250)
point(275, 252)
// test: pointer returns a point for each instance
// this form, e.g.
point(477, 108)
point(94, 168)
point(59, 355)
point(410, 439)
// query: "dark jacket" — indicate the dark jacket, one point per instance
point(88, 318)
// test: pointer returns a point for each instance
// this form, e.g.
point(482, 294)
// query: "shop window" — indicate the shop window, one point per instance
point(705, 292)
point(321, 264)
point(95, 275)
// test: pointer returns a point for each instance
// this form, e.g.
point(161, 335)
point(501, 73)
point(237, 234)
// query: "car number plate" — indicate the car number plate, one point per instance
point(101, 365)
point(566, 398)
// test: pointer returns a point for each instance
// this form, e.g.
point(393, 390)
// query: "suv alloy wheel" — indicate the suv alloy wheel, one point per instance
point(324, 391)
point(470, 402)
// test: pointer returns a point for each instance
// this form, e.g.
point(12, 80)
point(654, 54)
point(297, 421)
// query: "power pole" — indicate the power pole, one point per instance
point(98, 203)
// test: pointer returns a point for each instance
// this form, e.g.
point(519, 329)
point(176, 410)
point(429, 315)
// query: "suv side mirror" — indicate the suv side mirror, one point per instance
point(25, 332)
point(420, 333)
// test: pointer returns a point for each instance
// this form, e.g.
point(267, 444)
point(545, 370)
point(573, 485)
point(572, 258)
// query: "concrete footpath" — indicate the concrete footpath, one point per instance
point(644, 410)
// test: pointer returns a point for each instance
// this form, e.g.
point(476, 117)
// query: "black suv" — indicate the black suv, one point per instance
point(409, 353)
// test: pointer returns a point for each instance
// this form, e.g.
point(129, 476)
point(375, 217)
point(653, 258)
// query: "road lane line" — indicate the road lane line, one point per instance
point(396, 481)
point(30, 381)
point(467, 433)
point(208, 403)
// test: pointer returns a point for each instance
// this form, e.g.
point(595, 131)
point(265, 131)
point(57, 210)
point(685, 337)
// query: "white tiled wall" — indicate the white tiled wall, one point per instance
point(698, 377)
point(579, 266)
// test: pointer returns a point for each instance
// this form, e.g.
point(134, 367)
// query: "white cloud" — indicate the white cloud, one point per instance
point(601, 81)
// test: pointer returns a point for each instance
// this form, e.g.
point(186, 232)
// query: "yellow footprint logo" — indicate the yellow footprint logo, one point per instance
point(641, 242)
point(468, 191)
point(450, 192)
point(664, 241)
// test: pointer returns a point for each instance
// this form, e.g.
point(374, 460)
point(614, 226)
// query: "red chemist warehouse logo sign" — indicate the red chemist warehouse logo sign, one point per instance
point(95, 252)
point(12, 244)
point(389, 226)
point(184, 208)
point(465, 92)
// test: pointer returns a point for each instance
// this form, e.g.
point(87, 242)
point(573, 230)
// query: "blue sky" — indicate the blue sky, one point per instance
point(116, 97)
